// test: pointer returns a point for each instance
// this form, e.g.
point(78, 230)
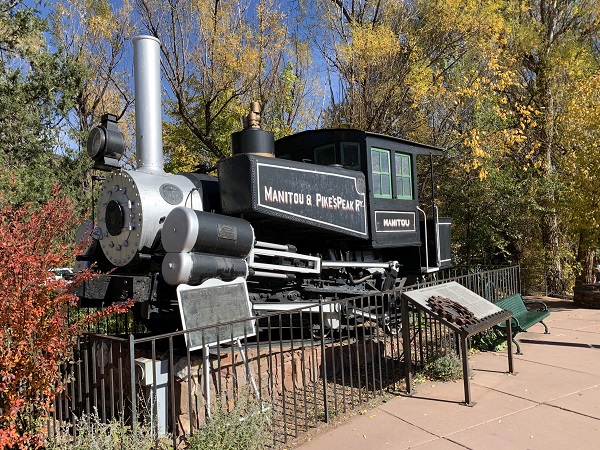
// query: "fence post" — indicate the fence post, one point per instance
point(132, 382)
point(406, 344)
point(323, 361)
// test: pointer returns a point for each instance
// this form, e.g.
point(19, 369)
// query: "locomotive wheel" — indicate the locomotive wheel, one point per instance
point(317, 334)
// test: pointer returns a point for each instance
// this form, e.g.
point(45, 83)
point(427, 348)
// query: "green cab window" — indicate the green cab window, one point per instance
point(403, 176)
point(381, 172)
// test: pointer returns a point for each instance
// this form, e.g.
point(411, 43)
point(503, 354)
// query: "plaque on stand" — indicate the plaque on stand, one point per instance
point(461, 310)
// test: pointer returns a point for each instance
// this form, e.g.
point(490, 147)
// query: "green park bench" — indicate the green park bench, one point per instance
point(525, 315)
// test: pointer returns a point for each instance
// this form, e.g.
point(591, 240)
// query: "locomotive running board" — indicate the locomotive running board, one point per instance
point(331, 313)
point(313, 263)
point(305, 306)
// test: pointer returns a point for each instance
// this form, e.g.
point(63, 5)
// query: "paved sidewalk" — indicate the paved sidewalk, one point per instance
point(552, 402)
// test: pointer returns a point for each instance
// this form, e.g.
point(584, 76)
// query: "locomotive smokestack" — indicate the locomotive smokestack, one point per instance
point(148, 120)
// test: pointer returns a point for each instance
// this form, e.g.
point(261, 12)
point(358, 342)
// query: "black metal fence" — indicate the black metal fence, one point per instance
point(302, 367)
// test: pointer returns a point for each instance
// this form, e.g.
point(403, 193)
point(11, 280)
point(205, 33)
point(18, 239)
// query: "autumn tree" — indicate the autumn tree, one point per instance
point(368, 64)
point(580, 131)
point(216, 57)
point(433, 72)
point(96, 34)
point(553, 46)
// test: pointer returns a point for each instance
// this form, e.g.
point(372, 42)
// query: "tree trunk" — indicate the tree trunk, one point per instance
point(551, 239)
point(585, 258)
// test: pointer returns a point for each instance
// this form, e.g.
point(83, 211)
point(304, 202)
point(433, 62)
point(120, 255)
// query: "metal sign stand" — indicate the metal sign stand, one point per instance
point(206, 376)
point(463, 332)
point(248, 371)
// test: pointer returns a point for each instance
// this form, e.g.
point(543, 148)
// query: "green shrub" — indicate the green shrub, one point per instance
point(489, 341)
point(245, 427)
point(92, 434)
point(444, 368)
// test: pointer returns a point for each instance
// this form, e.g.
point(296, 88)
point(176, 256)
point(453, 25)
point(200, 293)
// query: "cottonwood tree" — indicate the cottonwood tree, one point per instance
point(579, 128)
point(432, 72)
point(216, 57)
point(96, 34)
point(364, 46)
point(552, 45)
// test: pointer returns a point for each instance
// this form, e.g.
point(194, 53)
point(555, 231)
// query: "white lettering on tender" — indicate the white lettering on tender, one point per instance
point(337, 202)
point(402, 223)
point(321, 201)
point(285, 197)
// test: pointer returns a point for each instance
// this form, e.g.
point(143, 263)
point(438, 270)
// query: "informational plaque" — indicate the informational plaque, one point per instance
point(465, 312)
point(478, 305)
point(215, 302)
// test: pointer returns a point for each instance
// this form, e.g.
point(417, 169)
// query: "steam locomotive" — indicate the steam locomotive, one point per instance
point(317, 215)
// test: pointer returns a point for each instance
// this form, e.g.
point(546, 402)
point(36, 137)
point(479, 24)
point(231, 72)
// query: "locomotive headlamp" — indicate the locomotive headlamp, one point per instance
point(105, 143)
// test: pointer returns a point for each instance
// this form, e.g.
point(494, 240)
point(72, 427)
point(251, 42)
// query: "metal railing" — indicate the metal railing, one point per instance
point(302, 367)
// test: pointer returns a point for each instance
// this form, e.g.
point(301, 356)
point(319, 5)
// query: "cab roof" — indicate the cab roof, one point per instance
point(350, 133)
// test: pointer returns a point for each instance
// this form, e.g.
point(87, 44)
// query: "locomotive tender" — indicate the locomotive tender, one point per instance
point(314, 216)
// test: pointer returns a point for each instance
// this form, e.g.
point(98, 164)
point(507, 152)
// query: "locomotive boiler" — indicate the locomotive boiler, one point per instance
point(317, 215)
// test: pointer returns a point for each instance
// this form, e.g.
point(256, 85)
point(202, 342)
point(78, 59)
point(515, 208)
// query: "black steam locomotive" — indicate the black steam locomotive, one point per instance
point(314, 216)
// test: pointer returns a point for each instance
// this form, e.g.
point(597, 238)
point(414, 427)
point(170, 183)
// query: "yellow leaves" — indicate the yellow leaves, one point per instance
point(524, 116)
point(99, 18)
point(221, 43)
point(419, 79)
point(374, 42)
point(477, 142)
point(370, 46)
point(183, 159)
point(580, 134)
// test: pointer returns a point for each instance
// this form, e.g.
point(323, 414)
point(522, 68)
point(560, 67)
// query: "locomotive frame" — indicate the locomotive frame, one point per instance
point(314, 216)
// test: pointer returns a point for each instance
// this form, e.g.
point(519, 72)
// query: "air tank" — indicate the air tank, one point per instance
point(187, 230)
point(194, 268)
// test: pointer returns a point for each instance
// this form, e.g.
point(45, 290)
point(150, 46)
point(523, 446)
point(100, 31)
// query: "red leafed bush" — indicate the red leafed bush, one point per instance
point(35, 334)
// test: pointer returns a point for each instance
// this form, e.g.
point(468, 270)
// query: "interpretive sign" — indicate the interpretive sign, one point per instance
point(463, 311)
point(478, 305)
point(213, 302)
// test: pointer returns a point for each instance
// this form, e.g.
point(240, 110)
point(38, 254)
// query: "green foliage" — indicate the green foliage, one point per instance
point(35, 181)
point(489, 341)
point(510, 88)
point(37, 86)
point(245, 427)
point(443, 368)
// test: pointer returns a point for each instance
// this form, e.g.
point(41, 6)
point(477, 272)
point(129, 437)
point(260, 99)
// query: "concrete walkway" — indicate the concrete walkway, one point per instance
point(552, 402)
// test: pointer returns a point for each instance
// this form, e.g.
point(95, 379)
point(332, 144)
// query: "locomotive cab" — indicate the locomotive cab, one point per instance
point(395, 217)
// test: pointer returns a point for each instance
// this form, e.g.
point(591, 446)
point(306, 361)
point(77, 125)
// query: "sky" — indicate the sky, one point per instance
point(288, 6)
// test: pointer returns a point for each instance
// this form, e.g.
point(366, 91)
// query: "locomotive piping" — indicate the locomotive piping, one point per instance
point(148, 120)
